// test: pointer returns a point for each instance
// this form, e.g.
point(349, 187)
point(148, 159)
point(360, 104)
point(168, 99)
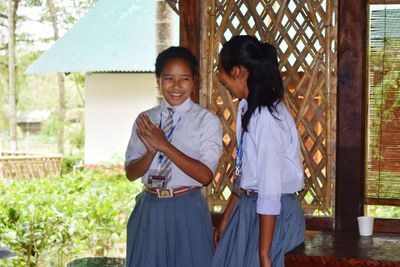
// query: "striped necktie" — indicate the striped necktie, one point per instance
point(166, 164)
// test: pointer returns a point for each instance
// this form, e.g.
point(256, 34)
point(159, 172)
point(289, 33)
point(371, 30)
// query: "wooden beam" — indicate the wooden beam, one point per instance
point(190, 32)
point(319, 223)
point(387, 225)
point(352, 32)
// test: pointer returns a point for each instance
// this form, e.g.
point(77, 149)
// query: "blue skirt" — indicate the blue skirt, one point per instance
point(170, 232)
point(238, 246)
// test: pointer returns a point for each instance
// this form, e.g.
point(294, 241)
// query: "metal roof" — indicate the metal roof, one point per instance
point(114, 36)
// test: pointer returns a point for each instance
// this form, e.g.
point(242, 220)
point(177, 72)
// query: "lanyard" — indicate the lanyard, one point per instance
point(239, 154)
point(169, 137)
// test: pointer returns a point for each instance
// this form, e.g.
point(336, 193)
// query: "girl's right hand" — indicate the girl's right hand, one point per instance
point(154, 135)
point(143, 129)
point(150, 149)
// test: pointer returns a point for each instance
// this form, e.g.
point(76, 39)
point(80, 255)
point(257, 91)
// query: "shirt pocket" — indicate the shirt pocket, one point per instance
point(188, 142)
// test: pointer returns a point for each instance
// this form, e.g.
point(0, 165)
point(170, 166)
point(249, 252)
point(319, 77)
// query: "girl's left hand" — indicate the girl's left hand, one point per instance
point(151, 133)
point(265, 261)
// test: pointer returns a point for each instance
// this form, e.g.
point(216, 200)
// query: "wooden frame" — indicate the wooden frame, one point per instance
point(350, 161)
point(190, 32)
point(350, 113)
point(350, 145)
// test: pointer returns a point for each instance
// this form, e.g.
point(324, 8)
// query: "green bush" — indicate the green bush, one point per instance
point(76, 137)
point(97, 261)
point(378, 211)
point(68, 162)
point(48, 222)
point(50, 126)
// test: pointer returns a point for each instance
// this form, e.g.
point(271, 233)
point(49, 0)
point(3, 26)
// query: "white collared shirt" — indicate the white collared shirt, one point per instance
point(198, 134)
point(271, 162)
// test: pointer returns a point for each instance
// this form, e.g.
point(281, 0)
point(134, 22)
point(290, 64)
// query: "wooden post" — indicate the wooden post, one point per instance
point(190, 32)
point(352, 32)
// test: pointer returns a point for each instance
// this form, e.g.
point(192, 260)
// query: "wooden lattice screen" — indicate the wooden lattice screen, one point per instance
point(305, 35)
point(304, 32)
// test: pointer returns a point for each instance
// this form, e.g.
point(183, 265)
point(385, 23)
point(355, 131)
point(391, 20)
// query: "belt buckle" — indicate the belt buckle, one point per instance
point(165, 192)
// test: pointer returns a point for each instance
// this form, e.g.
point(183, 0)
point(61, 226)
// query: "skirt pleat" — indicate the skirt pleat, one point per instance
point(238, 246)
point(170, 232)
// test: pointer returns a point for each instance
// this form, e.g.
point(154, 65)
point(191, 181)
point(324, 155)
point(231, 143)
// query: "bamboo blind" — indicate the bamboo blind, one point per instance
point(25, 165)
point(305, 35)
point(382, 185)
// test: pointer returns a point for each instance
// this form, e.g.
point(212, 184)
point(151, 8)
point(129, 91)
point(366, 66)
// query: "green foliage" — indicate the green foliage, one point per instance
point(78, 78)
point(48, 222)
point(50, 127)
point(97, 261)
point(77, 137)
point(68, 162)
point(378, 211)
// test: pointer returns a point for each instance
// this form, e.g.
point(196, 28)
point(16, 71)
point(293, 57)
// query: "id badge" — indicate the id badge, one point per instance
point(236, 184)
point(156, 179)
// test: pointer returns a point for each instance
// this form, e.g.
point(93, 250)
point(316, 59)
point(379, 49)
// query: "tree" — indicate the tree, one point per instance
point(60, 77)
point(12, 17)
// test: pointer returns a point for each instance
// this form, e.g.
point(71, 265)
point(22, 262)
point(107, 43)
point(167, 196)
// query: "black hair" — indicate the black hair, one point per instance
point(264, 81)
point(176, 52)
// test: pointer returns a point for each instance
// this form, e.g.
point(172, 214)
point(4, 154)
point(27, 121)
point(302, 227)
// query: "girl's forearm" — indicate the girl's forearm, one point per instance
point(138, 167)
point(192, 167)
point(267, 228)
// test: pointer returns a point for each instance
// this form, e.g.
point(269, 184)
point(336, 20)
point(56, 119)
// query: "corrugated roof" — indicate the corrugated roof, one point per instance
point(114, 36)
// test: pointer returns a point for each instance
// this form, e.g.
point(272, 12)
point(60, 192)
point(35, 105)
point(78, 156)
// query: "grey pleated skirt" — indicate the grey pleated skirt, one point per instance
point(238, 246)
point(170, 232)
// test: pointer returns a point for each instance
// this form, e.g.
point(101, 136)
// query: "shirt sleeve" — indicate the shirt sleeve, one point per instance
point(270, 164)
point(211, 143)
point(135, 148)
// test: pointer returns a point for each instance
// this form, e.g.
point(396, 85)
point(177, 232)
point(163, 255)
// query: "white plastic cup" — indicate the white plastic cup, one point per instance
point(365, 225)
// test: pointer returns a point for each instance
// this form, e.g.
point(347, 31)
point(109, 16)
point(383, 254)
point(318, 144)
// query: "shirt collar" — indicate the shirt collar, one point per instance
point(180, 109)
point(242, 106)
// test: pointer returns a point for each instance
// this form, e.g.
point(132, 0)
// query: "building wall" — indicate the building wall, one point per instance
point(113, 101)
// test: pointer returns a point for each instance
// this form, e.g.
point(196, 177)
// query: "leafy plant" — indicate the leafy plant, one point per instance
point(48, 222)
point(68, 162)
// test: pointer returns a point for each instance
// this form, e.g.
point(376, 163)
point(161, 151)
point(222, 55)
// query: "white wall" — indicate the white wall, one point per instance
point(113, 101)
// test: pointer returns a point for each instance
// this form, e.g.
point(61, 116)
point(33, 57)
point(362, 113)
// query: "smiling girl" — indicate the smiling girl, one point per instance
point(175, 147)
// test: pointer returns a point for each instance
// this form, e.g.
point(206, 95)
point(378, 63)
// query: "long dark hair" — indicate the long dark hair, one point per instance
point(264, 81)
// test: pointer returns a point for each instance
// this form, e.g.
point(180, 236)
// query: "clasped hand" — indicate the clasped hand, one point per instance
point(151, 135)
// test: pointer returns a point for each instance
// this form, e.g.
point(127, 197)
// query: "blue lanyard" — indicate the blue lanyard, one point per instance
point(239, 154)
point(169, 137)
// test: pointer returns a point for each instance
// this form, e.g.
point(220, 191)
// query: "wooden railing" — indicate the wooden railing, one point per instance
point(21, 165)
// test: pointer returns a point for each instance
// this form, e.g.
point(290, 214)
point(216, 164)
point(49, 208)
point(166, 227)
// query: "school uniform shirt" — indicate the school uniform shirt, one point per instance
point(198, 134)
point(271, 162)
